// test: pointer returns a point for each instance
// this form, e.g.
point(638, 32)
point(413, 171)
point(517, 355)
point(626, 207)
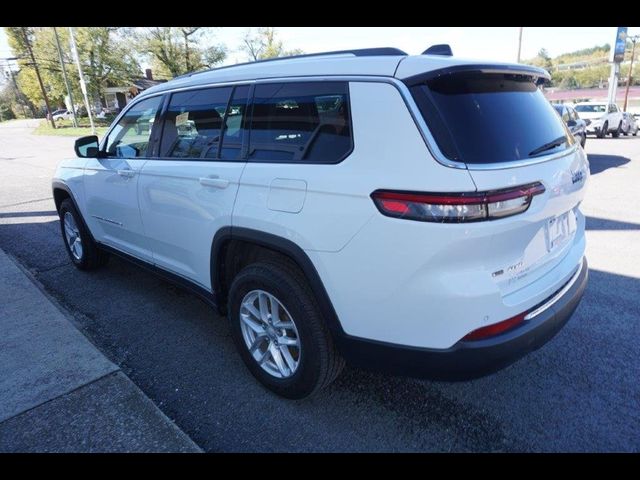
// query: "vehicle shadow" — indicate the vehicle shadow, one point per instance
point(577, 393)
point(595, 223)
point(599, 163)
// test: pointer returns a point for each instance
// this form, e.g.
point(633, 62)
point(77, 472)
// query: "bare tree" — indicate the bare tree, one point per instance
point(263, 43)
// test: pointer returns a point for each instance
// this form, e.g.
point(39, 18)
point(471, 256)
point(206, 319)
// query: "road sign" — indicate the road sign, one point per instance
point(620, 45)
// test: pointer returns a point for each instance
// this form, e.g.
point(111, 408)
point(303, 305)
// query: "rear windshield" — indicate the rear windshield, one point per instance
point(490, 117)
point(591, 108)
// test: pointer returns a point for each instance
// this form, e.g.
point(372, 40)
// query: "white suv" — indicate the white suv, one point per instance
point(601, 118)
point(415, 214)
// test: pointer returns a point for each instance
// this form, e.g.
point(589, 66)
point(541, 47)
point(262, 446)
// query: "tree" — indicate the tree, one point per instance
point(21, 40)
point(175, 51)
point(7, 102)
point(105, 55)
point(263, 43)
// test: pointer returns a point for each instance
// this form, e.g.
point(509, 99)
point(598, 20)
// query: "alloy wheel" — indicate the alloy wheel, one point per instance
point(72, 236)
point(270, 334)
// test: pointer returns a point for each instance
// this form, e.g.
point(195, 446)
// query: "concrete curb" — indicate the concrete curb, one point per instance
point(58, 392)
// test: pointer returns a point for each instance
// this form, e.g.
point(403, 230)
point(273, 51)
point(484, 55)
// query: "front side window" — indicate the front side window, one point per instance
point(130, 137)
point(479, 118)
point(300, 122)
point(193, 123)
point(613, 108)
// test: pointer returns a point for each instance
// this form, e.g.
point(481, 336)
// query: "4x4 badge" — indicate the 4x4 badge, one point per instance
point(577, 176)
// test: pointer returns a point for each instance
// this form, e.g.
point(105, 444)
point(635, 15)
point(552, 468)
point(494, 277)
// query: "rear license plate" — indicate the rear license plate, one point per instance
point(557, 231)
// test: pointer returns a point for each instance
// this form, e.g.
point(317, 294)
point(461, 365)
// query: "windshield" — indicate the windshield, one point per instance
point(490, 117)
point(591, 108)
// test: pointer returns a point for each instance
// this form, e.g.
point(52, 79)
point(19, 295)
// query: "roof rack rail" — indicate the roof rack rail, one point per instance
point(440, 49)
point(363, 52)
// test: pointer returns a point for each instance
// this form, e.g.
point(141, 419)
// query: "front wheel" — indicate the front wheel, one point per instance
point(279, 330)
point(583, 140)
point(82, 250)
point(603, 131)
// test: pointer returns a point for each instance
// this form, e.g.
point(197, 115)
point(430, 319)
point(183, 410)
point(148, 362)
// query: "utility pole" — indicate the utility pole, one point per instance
point(35, 66)
point(633, 39)
point(83, 86)
point(519, 44)
point(66, 80)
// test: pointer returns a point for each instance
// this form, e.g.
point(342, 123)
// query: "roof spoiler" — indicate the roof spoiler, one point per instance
point(539, 74)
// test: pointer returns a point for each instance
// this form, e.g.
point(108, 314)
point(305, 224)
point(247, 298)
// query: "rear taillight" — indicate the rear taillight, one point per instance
point(496, 328)
point(456, 207)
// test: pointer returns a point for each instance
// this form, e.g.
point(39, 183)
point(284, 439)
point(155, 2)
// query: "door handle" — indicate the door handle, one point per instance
point(126, 173)
point(214, 181)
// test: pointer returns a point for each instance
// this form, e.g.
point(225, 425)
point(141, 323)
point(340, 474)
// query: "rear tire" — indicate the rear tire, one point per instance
point(82, 250)
point(316, 360)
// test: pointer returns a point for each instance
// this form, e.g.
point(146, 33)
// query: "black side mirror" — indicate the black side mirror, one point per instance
point(571, 123)
point(87, 147)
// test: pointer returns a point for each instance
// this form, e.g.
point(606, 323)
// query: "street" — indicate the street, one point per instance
point(579, 393)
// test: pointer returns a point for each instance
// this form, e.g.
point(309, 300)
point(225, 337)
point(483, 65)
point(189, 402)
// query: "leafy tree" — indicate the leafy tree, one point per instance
point(175, 51)
point(105, 56)
point(263, 43)
point(7, 101)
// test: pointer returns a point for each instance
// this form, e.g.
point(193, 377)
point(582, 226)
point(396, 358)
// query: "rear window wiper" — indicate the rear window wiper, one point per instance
point(549, 145)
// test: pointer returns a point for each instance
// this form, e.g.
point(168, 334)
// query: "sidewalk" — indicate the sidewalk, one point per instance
point(58, 393)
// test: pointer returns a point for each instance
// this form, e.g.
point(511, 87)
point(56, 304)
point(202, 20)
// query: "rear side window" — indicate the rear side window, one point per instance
point(300, 122)
point(193, 123)
point(481, 118)
point(235, 125)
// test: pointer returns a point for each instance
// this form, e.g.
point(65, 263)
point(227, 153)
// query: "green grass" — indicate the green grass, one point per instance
point(65, 128)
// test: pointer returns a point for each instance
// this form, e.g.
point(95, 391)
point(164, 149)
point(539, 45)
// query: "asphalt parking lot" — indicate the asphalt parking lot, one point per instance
point(578, 393)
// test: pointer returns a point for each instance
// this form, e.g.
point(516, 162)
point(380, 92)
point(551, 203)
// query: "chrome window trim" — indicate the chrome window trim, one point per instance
point(402, 88)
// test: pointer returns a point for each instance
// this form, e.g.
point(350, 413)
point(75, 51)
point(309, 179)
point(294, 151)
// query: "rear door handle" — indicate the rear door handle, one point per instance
point(126, 173)
point(214, 181)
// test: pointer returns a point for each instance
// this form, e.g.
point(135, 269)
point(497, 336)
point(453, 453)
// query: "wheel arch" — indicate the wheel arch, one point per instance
point(228, 238)
point(61, 192)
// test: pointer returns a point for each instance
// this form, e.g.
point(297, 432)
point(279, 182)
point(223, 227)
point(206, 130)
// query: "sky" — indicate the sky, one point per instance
point(489, 43)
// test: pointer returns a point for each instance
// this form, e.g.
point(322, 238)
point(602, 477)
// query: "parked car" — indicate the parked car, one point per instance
point(574, 123)
point(601, 118)
point(62, 114)
point(446, 243)
point(629, 124)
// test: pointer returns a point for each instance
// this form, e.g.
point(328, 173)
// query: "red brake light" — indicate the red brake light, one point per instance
point(496, 328)
point(456, 207)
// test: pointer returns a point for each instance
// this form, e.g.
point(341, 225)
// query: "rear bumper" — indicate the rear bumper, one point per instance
point(467, 360)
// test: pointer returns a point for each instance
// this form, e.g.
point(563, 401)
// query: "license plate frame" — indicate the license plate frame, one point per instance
point(557, 231)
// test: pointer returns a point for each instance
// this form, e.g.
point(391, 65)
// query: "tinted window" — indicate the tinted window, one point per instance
point(300, 122)
point(235, 125)
point(490, 118)
point(594, 108)
point(193, 123)
point(613, 108)
point(130, 137)
point(573, 114)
